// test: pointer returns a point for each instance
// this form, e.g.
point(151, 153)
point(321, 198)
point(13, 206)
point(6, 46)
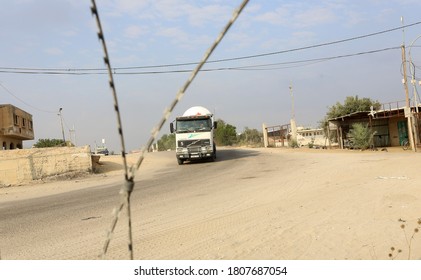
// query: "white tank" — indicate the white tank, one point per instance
point(196, 111)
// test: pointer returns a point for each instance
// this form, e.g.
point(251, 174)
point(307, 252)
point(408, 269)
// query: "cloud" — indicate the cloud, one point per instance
point(174, 33)
point(194, 13)
point(134, 31)
point(312, 17)
point(298, 15)
point(241, 40)
point(124, 7)
point(54, 51)
point(211, 13)
point(276, 17)
point(355, 18)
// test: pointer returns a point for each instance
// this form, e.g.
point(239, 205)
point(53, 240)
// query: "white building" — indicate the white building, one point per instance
point(313, 136)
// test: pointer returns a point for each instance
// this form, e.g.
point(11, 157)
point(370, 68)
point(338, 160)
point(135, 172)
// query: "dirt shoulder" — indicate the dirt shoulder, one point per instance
point(263, 204)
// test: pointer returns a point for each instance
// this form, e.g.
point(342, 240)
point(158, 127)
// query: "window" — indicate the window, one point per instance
point(23, 122)
point(31, 126)
point(16, 119)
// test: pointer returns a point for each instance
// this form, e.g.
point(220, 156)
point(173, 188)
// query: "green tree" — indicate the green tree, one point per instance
point(167, 142)
point(46, 143)
point(250, 137)
point(225, 134)
point(361, 135)
point(351, 104)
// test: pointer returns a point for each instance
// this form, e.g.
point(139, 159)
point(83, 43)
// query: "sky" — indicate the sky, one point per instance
point(278, 59)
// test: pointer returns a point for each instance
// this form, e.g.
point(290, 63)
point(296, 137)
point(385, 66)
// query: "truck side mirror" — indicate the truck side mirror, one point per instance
point(215, 124)
point(172, 127)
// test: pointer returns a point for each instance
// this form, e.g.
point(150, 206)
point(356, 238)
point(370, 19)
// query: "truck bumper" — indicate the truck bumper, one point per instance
point(194, 156)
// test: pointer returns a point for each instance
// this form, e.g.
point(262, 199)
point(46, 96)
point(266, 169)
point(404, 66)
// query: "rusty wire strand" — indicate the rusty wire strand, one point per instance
point(154, 133)
point(180, 94)
point(127, 188)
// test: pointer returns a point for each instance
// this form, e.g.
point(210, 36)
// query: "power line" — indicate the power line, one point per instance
point(254, 67)
point(74, 71)
point(9, 92)
point(311, 61)
point(322, 44)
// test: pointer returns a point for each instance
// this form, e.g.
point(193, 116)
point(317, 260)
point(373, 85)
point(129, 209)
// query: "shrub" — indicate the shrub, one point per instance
point(361, 135)
point(292, 143)
point(46, 143)
point(167, 142)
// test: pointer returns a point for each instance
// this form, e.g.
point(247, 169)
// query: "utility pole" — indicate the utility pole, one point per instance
point(61, 121)
point(408, 113)
point(72, 133)
point(293, 124)
point(292, 101)
point(416, 121)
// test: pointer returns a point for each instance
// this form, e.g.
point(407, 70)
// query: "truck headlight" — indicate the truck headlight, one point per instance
point(181, 150)
point(206, 149)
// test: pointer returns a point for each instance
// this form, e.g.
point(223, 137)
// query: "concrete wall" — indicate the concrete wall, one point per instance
point(20, 166)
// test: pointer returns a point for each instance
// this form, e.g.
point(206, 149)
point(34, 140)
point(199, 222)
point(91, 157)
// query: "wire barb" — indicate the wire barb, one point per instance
point(183, 89)
point(129, 183)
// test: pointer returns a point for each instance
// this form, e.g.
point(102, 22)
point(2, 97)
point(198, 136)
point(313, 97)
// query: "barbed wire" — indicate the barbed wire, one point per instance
point(127, 188)
point(129, 178)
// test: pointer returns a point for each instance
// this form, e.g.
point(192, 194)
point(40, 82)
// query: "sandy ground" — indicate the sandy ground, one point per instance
point(306, 204)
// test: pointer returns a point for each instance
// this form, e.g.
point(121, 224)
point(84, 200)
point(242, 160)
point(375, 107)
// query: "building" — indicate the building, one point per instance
point(311, 136)
point(16, 126)
point(276, 136)
point(280, 135)
point(389, 125)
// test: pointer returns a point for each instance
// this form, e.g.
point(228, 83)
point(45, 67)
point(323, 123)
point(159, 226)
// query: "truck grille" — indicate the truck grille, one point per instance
point(192, 144)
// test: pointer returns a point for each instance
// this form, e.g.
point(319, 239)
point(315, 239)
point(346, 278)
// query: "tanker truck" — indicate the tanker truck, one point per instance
point(194, 132)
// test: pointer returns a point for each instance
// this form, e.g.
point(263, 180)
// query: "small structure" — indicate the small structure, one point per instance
point(389, 125)
point(15, 126)
point(280, 135)
point(276, 136)
point(311, 136)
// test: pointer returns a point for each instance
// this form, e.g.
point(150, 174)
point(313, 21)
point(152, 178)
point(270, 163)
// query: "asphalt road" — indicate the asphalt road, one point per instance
point(249, 204)
point(73, 225)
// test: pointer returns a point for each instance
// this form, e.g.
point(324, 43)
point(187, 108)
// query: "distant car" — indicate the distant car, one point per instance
point(102, 151)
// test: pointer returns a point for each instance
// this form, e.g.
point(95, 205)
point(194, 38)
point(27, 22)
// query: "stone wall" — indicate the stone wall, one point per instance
point(20, 166)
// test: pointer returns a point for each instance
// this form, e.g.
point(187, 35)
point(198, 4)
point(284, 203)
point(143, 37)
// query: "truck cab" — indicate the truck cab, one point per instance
point(194, 133)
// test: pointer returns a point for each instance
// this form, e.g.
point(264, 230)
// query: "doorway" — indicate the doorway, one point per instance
point(402, 131)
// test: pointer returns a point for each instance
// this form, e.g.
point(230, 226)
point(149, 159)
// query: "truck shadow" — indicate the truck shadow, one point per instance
point(227, 154)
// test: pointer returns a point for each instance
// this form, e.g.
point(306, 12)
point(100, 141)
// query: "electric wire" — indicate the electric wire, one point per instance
point(245, 67)
point(71, 71)
point(26, 103)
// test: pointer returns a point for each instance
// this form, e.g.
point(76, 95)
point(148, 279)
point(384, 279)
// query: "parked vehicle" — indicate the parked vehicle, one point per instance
point(101, 151)
point(194, 134)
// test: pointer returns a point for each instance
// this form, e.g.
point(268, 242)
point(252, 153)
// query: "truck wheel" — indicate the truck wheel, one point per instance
point(213, 157)
point(180, 161)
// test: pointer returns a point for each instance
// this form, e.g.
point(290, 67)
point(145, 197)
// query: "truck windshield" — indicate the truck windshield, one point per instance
point(193, 125)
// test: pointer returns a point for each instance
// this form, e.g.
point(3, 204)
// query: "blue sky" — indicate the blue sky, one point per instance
point(60, 35)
